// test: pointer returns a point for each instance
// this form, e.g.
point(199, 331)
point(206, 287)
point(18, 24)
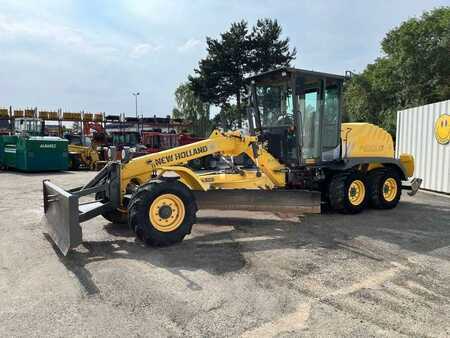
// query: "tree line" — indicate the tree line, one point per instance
point(219, 79)
point(414, 69)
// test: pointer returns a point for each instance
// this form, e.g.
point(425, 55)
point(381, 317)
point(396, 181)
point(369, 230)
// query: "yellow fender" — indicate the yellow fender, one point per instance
point(187, 176)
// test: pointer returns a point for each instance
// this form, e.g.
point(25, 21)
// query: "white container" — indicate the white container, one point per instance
point(422, 132)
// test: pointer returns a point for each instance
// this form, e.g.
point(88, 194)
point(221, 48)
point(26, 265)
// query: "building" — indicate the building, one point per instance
point(424, 132)
point(131, 124)
point(5, 127)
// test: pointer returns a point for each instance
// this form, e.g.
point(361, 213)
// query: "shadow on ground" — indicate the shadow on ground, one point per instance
point(419, 228)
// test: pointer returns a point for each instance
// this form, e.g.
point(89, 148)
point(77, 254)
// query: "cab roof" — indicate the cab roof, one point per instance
point(293, 71)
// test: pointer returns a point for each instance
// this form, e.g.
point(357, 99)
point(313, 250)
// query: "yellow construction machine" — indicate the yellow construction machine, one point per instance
point(83, 156)
point(303, 158)
point(86, 156)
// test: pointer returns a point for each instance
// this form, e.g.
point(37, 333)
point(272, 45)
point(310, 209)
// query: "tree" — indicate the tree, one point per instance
point(268, 50)
point(414, 70)
point(221, 73)
point(236, 54)
point(419, 52)
point(192, 109)
point(228, 117)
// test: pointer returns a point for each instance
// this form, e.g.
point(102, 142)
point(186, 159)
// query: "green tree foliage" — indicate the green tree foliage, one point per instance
point(238, 53)
point(192, 109)
point(221, 73)
point(414, 70)
point(228, 117)
point(267, 49)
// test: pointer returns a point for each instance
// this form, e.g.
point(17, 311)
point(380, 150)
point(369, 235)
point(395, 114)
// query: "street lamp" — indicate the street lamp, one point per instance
point(137, 120)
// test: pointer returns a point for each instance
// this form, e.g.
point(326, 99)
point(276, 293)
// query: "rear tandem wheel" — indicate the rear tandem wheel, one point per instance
point(385, 188)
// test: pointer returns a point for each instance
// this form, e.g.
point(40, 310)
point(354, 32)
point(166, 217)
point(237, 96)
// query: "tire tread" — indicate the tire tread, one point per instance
point(138, 210)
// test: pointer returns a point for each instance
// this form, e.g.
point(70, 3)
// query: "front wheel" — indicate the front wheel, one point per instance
point(385, 188)
point(74, 162)
point(162, 212)
point(348, 193)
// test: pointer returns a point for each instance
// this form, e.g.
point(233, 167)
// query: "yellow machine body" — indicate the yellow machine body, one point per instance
point(158, 195)
point(370, 141)
point(88, 155)
point(366, 140)
point(266, 182)
point(141, 169)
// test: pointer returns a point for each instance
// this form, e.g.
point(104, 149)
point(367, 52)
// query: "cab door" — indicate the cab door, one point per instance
point(319, 119)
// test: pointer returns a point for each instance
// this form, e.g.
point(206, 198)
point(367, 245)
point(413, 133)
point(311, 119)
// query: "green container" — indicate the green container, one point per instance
point(35, 153)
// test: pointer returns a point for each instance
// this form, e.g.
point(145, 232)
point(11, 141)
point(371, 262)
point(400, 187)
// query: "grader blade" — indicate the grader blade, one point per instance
point(277, 200)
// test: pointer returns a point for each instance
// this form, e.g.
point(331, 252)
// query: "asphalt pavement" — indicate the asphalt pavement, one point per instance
point(250, 274)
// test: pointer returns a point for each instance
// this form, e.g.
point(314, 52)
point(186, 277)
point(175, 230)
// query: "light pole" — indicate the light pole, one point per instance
point(137, 120)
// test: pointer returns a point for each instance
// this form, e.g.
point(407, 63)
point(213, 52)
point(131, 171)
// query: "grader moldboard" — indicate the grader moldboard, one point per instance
point(303, 157)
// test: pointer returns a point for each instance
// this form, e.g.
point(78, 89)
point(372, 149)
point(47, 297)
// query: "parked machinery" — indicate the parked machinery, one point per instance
point(156, 141)
point(88, 156)
point(303, 158)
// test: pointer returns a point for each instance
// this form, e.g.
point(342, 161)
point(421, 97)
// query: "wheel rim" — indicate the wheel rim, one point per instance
point(356, 192)
point(390, 189)
point(167, 212)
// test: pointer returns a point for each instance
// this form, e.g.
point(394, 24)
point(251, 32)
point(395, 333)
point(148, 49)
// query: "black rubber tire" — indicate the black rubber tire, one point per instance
point(74, 163)
point(114, 216)
point(139, 220)
point(376, 179)
point(338, 193)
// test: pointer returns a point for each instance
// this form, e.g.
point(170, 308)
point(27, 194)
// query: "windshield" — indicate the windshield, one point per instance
point(275, 105)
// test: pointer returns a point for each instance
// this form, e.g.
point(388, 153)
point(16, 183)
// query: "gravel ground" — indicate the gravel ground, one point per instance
point(379, 274)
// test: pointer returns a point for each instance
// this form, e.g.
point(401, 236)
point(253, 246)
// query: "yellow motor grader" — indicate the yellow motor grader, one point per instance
point(86, 156)
point(303, 158)
point(83, 156)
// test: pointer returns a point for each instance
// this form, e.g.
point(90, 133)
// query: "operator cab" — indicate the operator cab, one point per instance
point(298, 114)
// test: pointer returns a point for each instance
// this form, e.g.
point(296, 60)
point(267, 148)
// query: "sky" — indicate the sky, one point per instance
point(92, 55)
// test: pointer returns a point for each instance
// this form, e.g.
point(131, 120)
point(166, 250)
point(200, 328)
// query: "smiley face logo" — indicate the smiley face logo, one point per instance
point(442, 129)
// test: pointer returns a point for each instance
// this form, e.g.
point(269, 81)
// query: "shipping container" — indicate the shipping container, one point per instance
point(34, 153)
point(424, 132)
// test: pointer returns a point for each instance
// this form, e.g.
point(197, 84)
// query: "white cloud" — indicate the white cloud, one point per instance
point(39, 31)
point(190, 44)
point(65, 50)
point(142, 49)
point(154, 11)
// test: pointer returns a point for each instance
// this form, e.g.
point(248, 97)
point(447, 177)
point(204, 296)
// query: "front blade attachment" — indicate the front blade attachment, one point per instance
point(289, 201)
point(61, 217)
